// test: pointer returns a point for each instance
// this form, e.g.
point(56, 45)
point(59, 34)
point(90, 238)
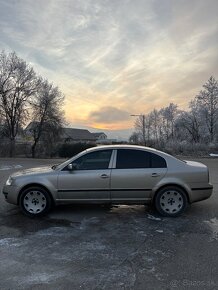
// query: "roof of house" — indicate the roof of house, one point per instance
point(77, 134)
point(31, 126)
point(71, 133)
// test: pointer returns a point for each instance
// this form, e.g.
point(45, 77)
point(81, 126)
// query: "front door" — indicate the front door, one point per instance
point(89, 181)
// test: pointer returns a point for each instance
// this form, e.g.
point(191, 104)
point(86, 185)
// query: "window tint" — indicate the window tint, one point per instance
point(93, 160)
point(157, 161)
point(127, 158)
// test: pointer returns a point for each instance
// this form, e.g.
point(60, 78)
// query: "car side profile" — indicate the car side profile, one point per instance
point(113, 174)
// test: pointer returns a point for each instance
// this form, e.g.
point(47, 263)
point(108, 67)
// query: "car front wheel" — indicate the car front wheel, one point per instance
point(35, 201)
point(171, 201)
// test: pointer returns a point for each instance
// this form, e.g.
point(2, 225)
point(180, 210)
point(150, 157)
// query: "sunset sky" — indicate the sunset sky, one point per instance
point(115, 58)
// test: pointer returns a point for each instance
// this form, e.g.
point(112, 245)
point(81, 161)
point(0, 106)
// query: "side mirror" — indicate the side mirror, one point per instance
point(71, 167)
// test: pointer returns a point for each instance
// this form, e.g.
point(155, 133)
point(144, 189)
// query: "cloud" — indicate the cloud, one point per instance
point(109, 115)
point(136, 55)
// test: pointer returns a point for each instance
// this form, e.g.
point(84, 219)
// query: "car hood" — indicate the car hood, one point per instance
point(31, 171)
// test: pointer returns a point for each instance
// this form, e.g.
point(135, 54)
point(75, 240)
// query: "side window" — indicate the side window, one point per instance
point(128, 158)
point(157, 161)
point(93, 161)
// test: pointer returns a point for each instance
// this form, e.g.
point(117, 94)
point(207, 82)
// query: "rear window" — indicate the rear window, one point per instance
point(128, 158)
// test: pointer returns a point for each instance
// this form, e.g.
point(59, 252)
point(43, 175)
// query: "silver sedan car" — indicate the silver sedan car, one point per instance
point(113, 174)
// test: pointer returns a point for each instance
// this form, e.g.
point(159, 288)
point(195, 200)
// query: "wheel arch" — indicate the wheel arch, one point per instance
point(35, 185)
point(171, 184)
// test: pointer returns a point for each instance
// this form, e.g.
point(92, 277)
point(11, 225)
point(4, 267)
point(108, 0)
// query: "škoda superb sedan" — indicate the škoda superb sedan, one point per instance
point(113, 174)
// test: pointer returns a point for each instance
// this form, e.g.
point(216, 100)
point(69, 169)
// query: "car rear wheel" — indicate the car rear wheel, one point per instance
point(171, 201)
point(35, 201)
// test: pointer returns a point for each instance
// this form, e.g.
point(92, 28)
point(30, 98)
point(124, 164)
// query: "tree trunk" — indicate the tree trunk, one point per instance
point(12, 147)
point(33, 150)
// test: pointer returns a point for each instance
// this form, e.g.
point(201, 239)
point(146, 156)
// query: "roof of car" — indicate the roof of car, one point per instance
point(125, 146)
point(122, 147)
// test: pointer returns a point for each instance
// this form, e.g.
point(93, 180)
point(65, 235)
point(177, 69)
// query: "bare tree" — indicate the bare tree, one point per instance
point(156, 120)
point(143, 128)
point(169, 115)
point(17, 85)
point(134, 138)
point(50, 138)
point(208, 99)
point(190, 121)
point(140, 129)
point(47, 114)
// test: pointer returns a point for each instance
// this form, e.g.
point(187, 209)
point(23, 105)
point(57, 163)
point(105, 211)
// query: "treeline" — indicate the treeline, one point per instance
point(182, 131)
point(26, 97)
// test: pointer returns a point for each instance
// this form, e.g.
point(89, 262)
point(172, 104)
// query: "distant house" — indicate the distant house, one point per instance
point(73, 135)
point(101, 139)
point(30, 128)
point(100, 136)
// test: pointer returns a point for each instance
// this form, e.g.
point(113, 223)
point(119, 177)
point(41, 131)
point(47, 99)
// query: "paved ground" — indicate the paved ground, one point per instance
point(91, 247)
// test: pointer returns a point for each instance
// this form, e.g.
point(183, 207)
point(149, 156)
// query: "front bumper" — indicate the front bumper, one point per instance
point(10, 193)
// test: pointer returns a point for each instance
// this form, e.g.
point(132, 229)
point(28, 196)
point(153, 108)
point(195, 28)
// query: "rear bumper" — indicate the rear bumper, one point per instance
point(199, 194)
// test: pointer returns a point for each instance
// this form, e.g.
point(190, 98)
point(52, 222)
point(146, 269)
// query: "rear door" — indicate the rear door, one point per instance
point(135, 174)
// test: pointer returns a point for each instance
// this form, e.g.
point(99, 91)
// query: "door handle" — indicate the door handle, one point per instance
point(155, 174)
point(104, 176)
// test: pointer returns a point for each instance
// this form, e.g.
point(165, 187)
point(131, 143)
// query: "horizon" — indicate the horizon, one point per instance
point(113, 59)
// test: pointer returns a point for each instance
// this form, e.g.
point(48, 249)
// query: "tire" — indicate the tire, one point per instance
point(171, 201)
point(35, 201)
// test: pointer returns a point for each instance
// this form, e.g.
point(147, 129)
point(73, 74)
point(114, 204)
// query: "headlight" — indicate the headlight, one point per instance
point(9, 181)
